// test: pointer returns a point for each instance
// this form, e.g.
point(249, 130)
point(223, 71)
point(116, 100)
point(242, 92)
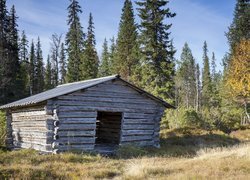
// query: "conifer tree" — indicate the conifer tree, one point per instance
point(206, 78)
point(55, 55)
point(105, 69)
point(240, 27)
point(48, 73)
point(39, 69)
point(74, 41)
point(89, 66)
point(112, 55)
point(198, 88)
point(157, 66)
point(32, 59)
point(187, 78)
point(63, 65)
point(213, 67)
point(127, 45)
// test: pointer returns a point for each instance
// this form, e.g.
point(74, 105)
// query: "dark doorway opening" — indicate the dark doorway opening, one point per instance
point(108, 128)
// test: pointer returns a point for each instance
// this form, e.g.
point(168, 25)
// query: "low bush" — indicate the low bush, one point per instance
point(2, 128)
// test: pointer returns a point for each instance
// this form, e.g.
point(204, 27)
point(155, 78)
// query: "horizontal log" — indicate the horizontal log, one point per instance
point(82, 147)
point(136, 138)
point(36, 140)
point(106, 99)
point(68, 112)
point(30, 118)
point(77, 126)
point(34, 134)
point(128, 105)
point(140, 115)
point(77, 120)
point(137, 132)
point(138, 127)
point(75, 140)
point(39, 147)
point(32, 123)
point(29, 113)
point(112, 88)
point(102, 108)
point(75, 133)
point(138, 121)
point(138, 143)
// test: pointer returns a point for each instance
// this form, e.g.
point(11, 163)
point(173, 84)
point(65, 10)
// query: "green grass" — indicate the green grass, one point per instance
point(184, 154)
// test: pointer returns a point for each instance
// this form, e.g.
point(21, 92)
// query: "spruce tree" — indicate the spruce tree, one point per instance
point(206, 78)
point(240, 27)
point(55, 55)
point(39, 69)
point(24, 61)
point(48, 80)
point(198, 87)
point(127, 45)
point(187, 78)
point(32, 59)
point(89, 66)
point(74, 41)
point(63, 65)
point(112, 55)
point(157, 66)
point(105, 68)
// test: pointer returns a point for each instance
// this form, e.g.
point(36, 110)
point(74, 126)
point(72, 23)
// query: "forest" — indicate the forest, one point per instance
point(212, 106)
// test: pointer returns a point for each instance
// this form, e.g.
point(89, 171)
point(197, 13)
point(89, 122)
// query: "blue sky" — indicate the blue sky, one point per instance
point(196, 21)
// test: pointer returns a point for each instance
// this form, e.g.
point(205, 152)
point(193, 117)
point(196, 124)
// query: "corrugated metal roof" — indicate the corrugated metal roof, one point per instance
point(72, 87)
point(58, 91)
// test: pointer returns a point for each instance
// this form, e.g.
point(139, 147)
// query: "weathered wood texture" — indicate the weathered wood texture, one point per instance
point(77, 114)
point(32, 128)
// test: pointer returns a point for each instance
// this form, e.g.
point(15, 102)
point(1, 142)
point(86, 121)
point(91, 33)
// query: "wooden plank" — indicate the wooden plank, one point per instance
point(138, 121)
point(14, 115)
point(82, 147)
point(139, 143)
point(128, 115)
point(30, 118)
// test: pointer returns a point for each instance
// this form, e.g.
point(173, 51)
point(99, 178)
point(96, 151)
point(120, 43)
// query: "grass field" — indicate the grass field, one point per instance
point(183, 155)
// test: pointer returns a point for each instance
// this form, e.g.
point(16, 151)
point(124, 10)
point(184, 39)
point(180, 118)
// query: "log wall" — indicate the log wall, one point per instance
point(31, 128)
point(77, 113)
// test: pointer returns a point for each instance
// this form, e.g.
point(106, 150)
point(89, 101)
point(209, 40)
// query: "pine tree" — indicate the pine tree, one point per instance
point(206, 78)
point(240, 27)
point(213, 67)
point(157, 66)
point(63, 65)
point(105, 69)
point(32, 60)
point(127, 45)
point(74, 41)
point(89, 66)
point(39, 69)
point(48, 80)
point(187, 78)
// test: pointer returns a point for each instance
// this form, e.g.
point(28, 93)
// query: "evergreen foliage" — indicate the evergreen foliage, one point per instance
point(157, 64)
point(32, 68)
point(112, 55)
point(105, 67)
point(62, 64)
point(48, 75)
point(90, 61)
point(74, 41)
point(127, 45)
point(206, 78)
point(240, 27)
point(39, 69)
point(186, 79)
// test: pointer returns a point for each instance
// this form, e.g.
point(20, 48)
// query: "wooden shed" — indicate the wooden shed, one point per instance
point(84, 115)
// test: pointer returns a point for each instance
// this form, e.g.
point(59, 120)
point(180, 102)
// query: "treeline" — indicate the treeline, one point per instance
point(142, 53)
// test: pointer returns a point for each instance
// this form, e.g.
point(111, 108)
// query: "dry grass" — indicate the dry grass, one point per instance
point(181, 156)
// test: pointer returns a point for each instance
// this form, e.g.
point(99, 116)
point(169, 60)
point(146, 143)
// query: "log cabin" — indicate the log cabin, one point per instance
point(85, 115)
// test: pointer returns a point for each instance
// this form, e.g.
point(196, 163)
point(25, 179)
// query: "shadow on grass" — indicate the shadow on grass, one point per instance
point(178, 145)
